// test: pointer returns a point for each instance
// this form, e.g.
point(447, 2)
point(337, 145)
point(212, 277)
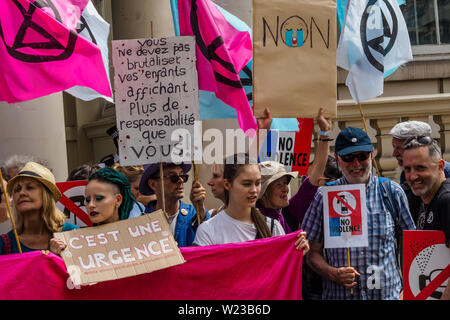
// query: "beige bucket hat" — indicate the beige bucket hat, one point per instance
point(271, 171)
point(40, 173)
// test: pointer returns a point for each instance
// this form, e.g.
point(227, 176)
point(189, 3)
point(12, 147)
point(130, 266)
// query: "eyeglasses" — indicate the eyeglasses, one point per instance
point(424, 140)
point(174, 178)
point(360, 156)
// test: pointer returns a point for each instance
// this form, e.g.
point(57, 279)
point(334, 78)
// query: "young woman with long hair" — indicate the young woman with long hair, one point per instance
point(241, 220)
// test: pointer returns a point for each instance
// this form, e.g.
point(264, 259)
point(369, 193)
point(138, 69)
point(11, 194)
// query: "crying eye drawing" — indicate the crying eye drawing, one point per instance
point(294, 39)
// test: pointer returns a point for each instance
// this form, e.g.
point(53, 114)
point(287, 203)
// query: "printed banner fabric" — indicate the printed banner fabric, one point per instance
point(265, 269)
point(40, 56)
point(222, 52)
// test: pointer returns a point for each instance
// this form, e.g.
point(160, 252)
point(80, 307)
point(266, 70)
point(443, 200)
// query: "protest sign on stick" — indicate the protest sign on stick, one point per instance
point(426, 265)
point(294, 58)
point(121, 249)
point(345, 216)
point(156, 94)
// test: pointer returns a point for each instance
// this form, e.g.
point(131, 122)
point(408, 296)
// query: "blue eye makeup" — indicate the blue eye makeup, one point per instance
point(96, 198)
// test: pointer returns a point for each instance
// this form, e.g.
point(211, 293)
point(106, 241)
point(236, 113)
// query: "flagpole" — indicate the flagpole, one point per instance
point(10, 214)
point(367, 132)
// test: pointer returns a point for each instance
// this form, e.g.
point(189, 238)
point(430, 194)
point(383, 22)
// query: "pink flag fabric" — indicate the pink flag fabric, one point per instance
point(265, 269)
point(222, 52)
point(40, 56)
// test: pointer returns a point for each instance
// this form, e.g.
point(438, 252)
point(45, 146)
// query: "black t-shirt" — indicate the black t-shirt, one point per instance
point(436, 215)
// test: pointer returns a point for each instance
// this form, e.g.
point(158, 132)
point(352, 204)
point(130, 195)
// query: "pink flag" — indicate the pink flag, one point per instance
point(222, 52)
point(40, 56)
point(265, 269)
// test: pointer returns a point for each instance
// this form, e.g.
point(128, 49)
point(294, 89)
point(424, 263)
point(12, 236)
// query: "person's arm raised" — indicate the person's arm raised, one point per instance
point(317, 168)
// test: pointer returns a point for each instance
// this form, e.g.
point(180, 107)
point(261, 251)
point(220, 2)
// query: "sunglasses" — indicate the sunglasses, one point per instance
point(174, 178)
point(360, 156)
point(424, 140)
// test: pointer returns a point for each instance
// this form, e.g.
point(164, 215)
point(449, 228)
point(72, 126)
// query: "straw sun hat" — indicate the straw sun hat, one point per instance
point(271, 171)
point(39, 172)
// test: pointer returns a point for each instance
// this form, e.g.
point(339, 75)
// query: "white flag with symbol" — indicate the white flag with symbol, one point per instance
point(374, 38)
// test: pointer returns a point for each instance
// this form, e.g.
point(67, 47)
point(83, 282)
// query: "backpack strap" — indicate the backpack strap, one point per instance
point(6, 243)
point(385, 188)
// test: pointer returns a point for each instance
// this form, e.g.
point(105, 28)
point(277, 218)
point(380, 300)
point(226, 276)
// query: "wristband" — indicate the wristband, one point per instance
point(325, 133)
point(325, 139)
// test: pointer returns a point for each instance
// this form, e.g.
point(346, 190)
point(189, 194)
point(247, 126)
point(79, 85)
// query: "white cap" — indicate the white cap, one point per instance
point(407, 129)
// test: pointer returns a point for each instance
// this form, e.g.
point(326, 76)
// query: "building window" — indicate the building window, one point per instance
point(428, 21)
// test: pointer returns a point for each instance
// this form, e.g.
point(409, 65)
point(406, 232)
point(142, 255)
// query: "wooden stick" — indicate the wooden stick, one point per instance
point(348, 262)
point(196, 205)
point(161, 176)
point(9, 211)
point(367, 132)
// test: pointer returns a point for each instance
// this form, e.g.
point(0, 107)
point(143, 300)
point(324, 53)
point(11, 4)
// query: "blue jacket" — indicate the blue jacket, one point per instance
point(186, 223)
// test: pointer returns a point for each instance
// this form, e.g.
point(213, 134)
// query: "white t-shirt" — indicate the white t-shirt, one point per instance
point(223, 229)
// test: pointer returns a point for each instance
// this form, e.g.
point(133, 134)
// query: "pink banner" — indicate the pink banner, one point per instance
point(222, 52)
point(41, 56)
point(265, 269)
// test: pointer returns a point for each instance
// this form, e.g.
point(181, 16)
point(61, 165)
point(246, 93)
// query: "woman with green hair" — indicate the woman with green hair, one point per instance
point(108, 199)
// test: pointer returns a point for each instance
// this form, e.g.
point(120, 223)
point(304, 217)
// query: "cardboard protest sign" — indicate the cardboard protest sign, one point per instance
point(72, 202)
point(294, 58)
point(156, 95)
point(345, 216)
point(121, 249)
point(426, 265)
point(292, 149)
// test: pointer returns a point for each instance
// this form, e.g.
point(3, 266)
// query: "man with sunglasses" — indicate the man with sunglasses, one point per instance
point(424, 173)
point(374, 273)
point(401, 132)
point(182, 216)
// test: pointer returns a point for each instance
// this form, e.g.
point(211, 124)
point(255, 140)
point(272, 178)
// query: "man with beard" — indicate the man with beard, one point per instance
point(400, 133)
point(374, 273)
point(424, 172)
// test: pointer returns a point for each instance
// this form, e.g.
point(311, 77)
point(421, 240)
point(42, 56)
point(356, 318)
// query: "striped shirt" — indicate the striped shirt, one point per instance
point(377, 264)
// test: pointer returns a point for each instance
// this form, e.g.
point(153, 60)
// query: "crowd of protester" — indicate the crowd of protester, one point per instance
point(255, 204)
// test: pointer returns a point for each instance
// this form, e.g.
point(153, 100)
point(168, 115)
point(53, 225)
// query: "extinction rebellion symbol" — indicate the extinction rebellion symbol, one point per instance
point(369, 42)
point(50, 49)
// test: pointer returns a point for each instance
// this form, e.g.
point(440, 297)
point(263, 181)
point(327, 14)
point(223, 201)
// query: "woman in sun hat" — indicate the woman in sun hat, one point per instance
point(34, 196)
point(273, 199)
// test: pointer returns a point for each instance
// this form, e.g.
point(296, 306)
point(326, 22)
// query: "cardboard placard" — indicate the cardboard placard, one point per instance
point(121, 249)
point(345, 216)
point(290, 148)
point(294, 58)
point(156, 93)
point(426, 265)
point(72, 202)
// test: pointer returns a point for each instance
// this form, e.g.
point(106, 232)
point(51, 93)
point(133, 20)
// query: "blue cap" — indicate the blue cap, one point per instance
point(351, 140)
point(151, 169)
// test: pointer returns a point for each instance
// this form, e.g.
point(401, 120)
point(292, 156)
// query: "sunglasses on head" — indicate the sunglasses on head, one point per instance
point(174, 178)
point(360, 156)
point(424, 140)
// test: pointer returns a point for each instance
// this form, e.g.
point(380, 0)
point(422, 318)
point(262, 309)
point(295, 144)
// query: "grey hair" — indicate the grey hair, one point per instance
point(17, 161)
point(408, 129)
point(434, 149)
